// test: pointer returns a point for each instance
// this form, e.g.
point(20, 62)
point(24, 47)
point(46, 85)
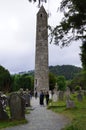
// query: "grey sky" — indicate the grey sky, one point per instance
point(17, 36)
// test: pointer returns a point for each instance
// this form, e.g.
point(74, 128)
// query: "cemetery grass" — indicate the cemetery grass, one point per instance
point(10, 123)
point(76, 115)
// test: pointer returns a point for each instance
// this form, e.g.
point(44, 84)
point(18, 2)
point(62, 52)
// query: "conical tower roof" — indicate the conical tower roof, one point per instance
point(42, 10)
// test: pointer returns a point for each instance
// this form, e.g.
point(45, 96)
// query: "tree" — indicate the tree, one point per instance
point(39, 1)
point(52, 81)
point(5, 79)
point(83, 55)
point(61, 82)
point(78, 80)
point(22, 81)
point(73, 24)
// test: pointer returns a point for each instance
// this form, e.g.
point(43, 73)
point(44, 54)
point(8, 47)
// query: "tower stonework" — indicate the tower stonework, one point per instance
point(41, 81)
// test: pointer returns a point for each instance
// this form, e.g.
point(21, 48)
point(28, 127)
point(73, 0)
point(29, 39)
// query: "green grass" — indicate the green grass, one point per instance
point(77, 115)
point(10, 123)
point(4, 124)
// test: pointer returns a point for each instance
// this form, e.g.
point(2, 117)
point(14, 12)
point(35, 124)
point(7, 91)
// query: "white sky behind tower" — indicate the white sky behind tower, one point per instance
point(18, 34)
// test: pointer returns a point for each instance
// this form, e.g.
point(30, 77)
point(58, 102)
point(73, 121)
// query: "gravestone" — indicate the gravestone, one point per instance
point(55, 96)
point(3, 113)
point(79, 97)
point(67, 93)
point(27, 99)
point(17, 106)
point(70, 103)
point(85, 93)
point(50, 96)
point(61, 95)
point(4, 100)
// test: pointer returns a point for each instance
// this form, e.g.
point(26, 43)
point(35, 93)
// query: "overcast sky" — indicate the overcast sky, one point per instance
point(18, 34)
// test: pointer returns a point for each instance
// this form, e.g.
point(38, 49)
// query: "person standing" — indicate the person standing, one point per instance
point(36, 95)
point(41, 98)
point(47, 97)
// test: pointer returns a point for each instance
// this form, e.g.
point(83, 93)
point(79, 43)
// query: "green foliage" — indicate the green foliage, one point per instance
point(77, 88)
point(38, 1)
point(77, 115)
point(24, 81)
point(68, 71)
point(4, 124)
point(10, 123)
point(52, 81)
point(61, 82)
point(78, 80)
point(83, 55)
point(5, 79)
point(73, 24)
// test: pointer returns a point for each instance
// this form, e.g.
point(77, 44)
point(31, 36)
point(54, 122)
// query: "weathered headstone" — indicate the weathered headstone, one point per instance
point(3, 113)
point(67, 93)
point(70, 104)
point(17, 106)
point(84, 92)
point(61, 95)
point(79, 97)
point(4, 100)
point(54, 97)
point(27, 99)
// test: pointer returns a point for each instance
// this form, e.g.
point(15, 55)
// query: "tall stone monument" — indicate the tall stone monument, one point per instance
point(41, 81)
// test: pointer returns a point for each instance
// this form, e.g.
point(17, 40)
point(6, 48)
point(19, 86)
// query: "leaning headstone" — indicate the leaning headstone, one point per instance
point(17, 106)
point(3, 113)
point(61, 95)
point(79, 97)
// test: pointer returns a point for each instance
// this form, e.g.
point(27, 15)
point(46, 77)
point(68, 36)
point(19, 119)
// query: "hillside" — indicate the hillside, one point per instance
point(69, 71)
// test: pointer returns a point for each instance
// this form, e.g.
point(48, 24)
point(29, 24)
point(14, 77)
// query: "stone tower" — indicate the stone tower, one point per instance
point(41, 81)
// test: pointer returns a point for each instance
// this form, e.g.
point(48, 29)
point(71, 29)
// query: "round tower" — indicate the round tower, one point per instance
point(41, 80)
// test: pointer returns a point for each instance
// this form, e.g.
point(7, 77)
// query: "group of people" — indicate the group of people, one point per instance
point(43, 95)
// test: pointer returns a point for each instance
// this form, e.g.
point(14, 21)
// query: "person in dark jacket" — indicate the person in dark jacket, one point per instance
point(41, 98)
point(47, 97)
point(36, 95)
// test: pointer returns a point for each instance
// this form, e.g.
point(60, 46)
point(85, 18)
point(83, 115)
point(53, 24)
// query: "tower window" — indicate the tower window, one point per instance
point(36, 81)
point(41, 15)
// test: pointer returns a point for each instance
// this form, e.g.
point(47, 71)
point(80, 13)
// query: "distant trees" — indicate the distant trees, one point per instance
point(61, 82)
point(78, 80)
point(68, 71)
point(24, 81)
point(5, 79)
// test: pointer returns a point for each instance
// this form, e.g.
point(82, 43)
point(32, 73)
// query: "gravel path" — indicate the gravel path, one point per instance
point(42, 119)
